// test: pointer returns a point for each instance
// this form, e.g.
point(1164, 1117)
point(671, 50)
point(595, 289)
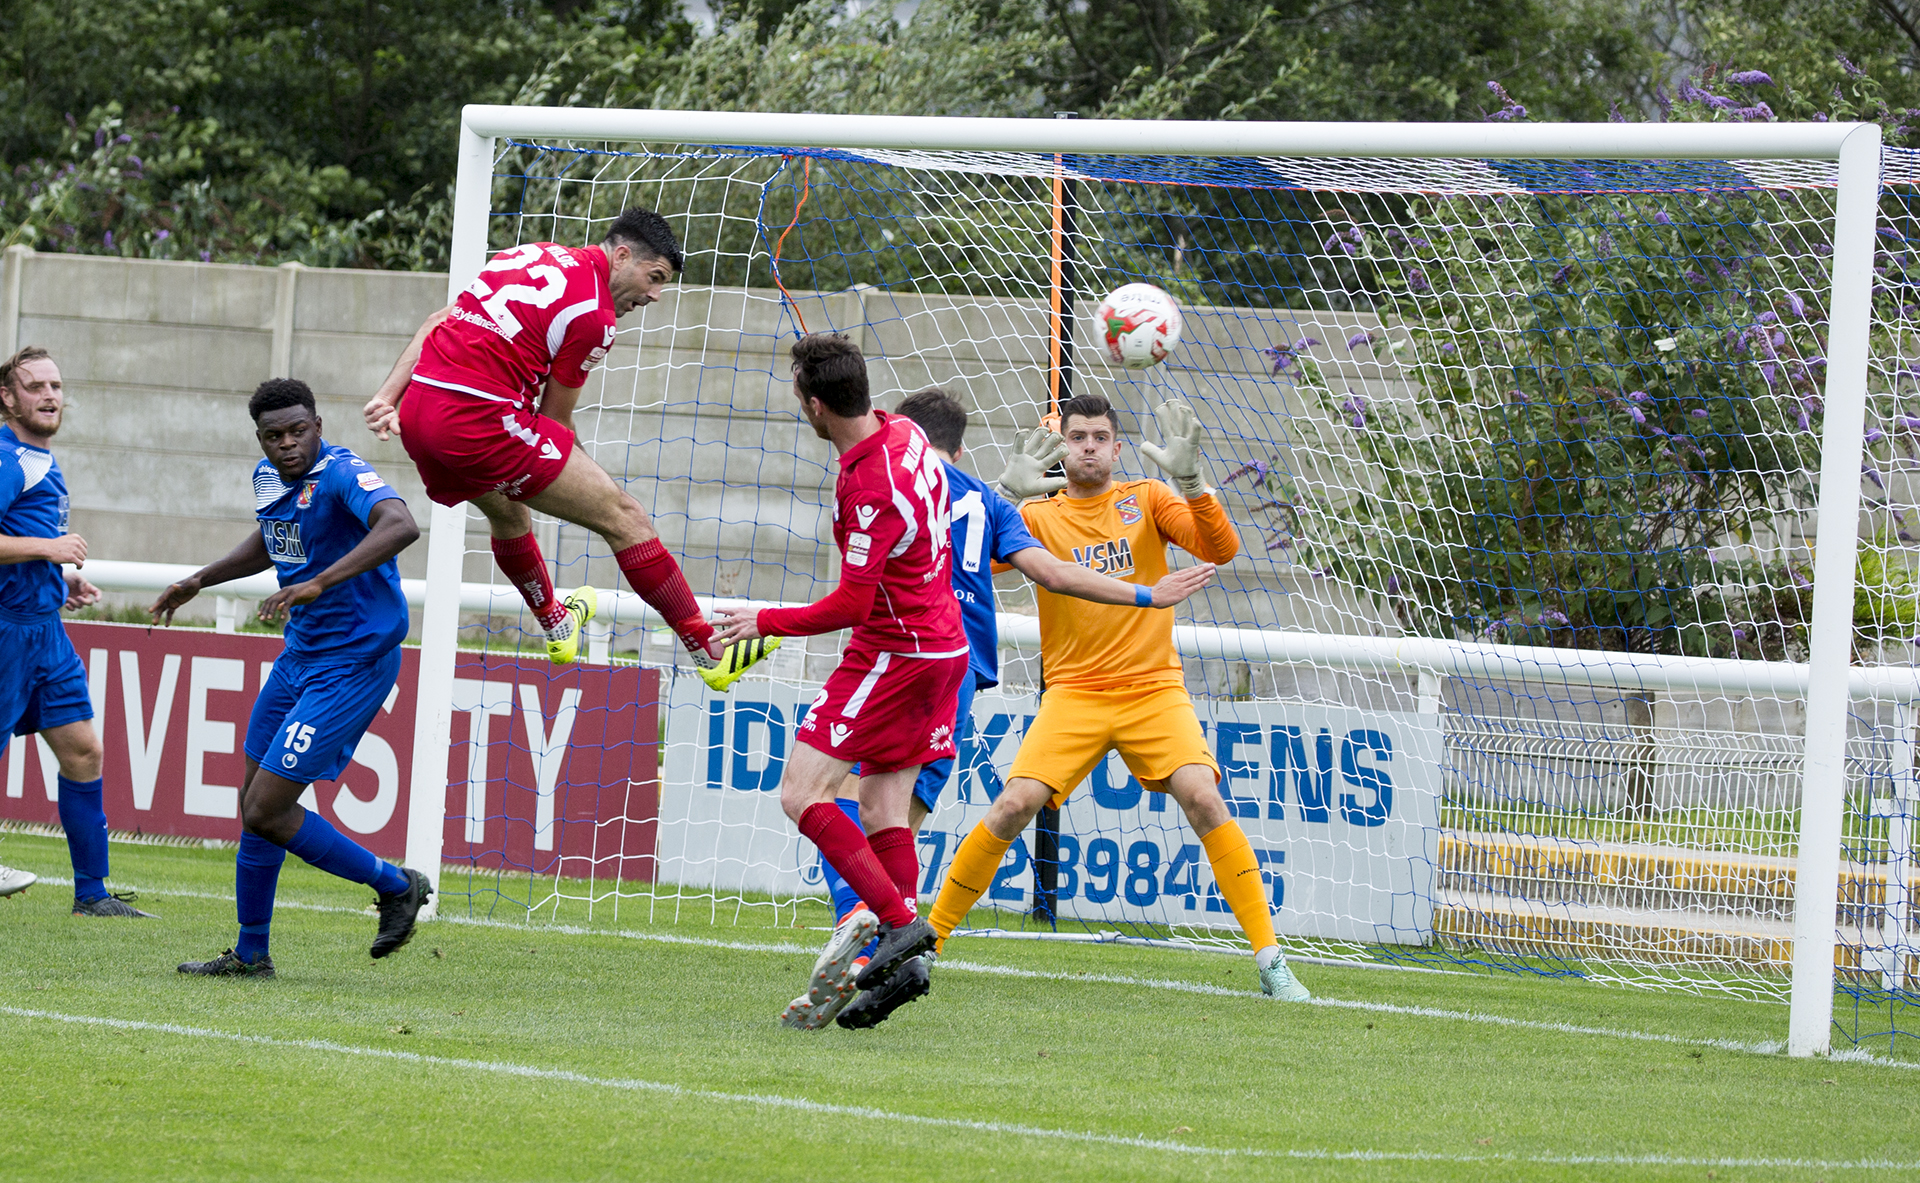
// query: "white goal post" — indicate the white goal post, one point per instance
point(1828, 679)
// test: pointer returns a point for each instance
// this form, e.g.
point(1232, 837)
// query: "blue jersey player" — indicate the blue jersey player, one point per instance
point(330, 528)
point(986, 529)
point(44, 691)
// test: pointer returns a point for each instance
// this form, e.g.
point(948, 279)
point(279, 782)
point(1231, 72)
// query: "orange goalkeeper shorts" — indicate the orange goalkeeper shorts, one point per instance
point(1154, 730)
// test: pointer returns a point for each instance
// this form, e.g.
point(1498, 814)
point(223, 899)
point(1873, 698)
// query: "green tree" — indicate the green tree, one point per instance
point(320, 129)
point(1616, 410)
point(1348, 59)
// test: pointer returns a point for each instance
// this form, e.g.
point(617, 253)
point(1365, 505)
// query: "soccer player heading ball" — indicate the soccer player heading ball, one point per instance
point(889, 705)
point(1113, 679)
point(483, 400)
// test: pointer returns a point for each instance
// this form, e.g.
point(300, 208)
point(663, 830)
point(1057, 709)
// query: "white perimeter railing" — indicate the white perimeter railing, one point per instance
point(1420, 657)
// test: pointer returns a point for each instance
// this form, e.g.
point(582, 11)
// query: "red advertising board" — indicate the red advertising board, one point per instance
point(550, 767)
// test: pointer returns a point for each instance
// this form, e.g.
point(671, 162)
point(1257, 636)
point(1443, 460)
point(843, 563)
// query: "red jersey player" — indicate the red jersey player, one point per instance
point(483, 399)
point(889, 706)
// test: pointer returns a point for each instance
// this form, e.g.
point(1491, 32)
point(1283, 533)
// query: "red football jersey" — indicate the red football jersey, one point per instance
point(533, 311)
point(890, 520)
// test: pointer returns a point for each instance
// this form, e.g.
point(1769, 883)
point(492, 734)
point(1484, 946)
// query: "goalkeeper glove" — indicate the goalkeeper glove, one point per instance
point(1179, 457)
point(1026, 474)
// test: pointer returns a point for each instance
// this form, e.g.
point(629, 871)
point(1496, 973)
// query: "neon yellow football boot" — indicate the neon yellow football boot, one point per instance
point(733, 665)
point(563, 642)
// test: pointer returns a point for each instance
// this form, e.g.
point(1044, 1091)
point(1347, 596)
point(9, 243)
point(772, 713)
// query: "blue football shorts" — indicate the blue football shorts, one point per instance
point(46, 682)
point(308, 717)
point(933, 777)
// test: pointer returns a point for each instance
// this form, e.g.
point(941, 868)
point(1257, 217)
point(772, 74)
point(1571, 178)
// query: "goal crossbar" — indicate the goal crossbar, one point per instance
point(1631, 141)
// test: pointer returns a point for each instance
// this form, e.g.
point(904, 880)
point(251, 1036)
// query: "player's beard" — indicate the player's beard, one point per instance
point(33, 420)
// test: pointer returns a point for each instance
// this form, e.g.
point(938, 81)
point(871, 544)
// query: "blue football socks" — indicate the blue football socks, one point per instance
point(336, 854)
point(84, 819)
point(256, 875)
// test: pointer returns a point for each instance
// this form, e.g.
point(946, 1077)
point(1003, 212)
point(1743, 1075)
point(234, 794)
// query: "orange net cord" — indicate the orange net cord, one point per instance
point(806, 178)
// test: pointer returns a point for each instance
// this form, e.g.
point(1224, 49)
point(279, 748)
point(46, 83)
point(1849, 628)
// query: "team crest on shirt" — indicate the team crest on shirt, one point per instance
point(306, 494)
point(1129, 507)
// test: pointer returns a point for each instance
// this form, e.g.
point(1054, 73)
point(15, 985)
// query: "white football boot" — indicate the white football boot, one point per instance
point(831, 987)
point(13, 880)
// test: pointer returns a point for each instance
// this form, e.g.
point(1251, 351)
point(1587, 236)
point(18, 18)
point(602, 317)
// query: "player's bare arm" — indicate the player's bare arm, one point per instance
point(68, 548)
point(558, 402)
point(1071, 579)
point(390, 530)
point(248, 558)
point(383, 409)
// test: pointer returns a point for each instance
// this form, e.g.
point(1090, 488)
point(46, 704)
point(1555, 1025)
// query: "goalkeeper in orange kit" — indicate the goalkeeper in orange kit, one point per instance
point(1113, 680)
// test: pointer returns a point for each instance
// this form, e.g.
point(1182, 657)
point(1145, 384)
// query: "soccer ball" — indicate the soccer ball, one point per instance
point(1141, 325)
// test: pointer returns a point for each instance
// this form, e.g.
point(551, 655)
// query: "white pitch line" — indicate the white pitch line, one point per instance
point(805, 1105)
point(1765, 1047)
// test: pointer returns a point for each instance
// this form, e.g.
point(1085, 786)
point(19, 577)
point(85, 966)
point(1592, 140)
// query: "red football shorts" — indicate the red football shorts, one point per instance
point(465, 445)
point(887, 711)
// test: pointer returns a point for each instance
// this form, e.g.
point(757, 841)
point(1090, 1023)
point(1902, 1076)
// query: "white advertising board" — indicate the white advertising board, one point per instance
point(1341, 806)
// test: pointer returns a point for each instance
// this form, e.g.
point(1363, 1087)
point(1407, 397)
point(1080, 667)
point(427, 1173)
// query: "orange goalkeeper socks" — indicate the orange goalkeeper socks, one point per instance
point(1237, 872)
point(969, 876)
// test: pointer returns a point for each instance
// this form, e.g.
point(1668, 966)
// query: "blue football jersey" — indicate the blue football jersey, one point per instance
point(308, 526)
point(33, 504)
point(987, 529)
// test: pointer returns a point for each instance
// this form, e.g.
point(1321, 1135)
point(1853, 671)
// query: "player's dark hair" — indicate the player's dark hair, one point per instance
point(829, 367)
point(1088, 406)
point(11, 367)
point(939, 414)
point(648, 235)
point(277, 394)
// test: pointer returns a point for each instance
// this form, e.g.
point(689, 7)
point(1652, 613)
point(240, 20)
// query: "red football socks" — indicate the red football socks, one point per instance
point(520, 560)
point(894, 848)
point(843, 845)
point(654, 574)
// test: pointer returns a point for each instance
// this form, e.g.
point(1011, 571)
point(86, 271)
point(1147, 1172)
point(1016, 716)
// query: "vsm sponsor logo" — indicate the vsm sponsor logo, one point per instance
point(1106, 558)
point(283, 542)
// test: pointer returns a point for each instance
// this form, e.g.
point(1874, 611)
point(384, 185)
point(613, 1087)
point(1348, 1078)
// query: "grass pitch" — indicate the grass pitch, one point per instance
point(505, 1051)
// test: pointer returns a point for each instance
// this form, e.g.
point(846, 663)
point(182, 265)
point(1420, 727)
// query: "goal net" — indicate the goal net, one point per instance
point(1513, 668)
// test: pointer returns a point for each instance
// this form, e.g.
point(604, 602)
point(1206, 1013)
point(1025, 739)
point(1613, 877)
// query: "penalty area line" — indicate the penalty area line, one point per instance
point(969, 1125)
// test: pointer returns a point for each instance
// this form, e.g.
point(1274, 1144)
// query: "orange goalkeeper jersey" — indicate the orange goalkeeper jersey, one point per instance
point(1123, 533)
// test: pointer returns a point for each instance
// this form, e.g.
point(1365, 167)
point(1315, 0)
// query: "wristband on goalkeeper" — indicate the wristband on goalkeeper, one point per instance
point(1143, 597)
